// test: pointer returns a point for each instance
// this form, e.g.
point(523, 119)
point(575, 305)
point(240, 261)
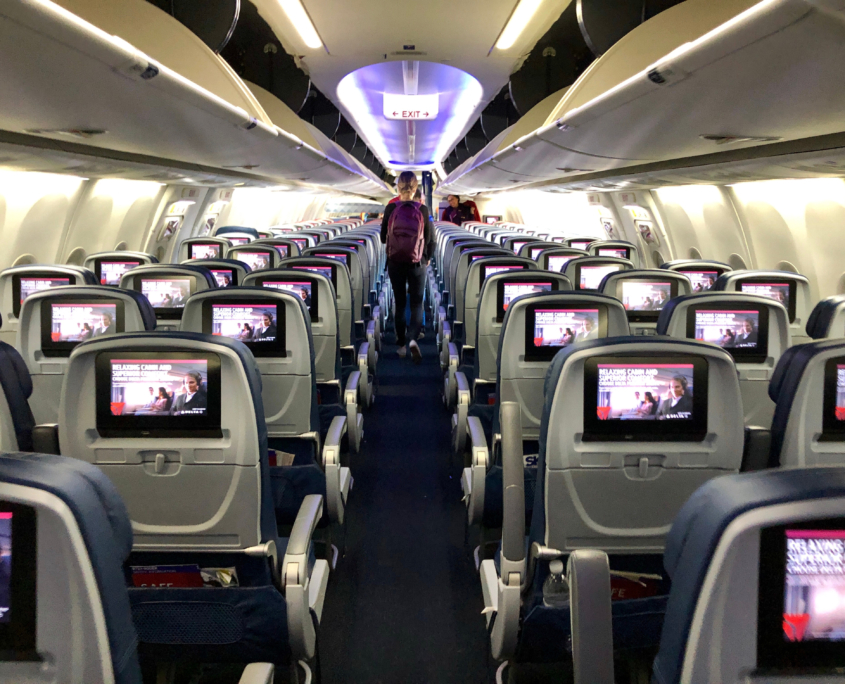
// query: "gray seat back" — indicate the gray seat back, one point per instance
point(226, 272)
point(350, 258)
point(790, 289)
point(167, 287)
point(644, 293)
point(205, 248)
point(19, 282)
point(109, 267)
point(322, 310)
point(286, 248)
point(255, 255)
point(725, 311)
point(73, 307)
point(702, 273)
point(286, 384)
point(521, 373)
point(621, 495)
point(620, 249)
point(587, 273)
point(342, 284)
point(555, 259)
point(497, 293)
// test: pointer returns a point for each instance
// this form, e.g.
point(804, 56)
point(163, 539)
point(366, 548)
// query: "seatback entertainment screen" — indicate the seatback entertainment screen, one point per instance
point(581, 244)
point(327, 271)
point(508, 291)
point(210, 250)
point(643, 296)
point(236, 241)
point(548, 329)
point(620, 252)
point(166, 293)
point(742, 332)
point(259, 325)
point(154, 393)
point(18, 571)
point(487, 271)
point(27, 285)
point(305, 290)
point(782, 293)
point(342, 258)
point(66, 324)
point(6, 540)
point(701, 281)
point(646, 399)
point(518, 245)
point(225, 277)
point(255, 260)
point(590, 277)
point(558, 263)
point(112, 271)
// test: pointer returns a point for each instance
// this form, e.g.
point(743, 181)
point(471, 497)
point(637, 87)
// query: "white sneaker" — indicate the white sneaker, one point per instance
point(402, 352)
point(415, 352)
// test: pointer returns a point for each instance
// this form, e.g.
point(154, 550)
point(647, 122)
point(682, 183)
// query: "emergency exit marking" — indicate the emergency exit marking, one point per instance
point(411, 107)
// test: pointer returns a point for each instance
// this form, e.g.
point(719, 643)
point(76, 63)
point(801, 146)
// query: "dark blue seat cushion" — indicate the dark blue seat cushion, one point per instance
point(17, 388)
point(104, 524)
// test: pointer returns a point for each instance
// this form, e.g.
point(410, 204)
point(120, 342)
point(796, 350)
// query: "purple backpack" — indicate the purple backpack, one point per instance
point(406, 233)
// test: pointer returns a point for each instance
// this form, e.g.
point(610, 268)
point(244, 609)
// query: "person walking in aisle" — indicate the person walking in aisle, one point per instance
point(407, 231)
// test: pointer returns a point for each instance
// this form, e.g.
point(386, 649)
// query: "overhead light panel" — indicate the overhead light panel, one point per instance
point(516, 24)
point(301, 22)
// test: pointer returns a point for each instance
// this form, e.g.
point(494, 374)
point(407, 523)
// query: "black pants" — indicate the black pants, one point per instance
point(412, 277)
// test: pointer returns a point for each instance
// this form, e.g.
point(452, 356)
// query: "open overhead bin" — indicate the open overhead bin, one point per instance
point(723, 79)
point(127, 78)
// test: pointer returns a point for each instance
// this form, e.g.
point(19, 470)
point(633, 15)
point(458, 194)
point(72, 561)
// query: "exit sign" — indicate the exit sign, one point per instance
point(411, 107)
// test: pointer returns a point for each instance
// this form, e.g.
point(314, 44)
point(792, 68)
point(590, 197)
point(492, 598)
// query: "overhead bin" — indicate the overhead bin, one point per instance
point(721, 81)
point(63, 78)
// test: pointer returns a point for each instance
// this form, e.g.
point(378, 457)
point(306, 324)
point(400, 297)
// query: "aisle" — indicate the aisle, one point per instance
point(405, 603)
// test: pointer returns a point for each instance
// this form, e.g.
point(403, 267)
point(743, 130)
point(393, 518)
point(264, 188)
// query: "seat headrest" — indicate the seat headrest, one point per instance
point(698, 529)
point(822, 316)
point(223, 230)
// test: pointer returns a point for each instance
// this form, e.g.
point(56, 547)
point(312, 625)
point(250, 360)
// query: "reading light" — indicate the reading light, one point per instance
point(301, 22)
point(517, 23)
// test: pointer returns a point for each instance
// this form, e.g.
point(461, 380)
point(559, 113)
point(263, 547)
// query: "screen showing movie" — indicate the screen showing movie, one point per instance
point(779, 292)
point(490, 220)
point(511, 291)
point(301, 290)
point(204, 250)
point(645, 295)
point(255, 260)
point(225, 277)
point(302, 243)
point(324, 270)
point(166, 293)
point(701, 281)
point(159, 387)
point(619, 252)
point(636, 391)
point(112, 271)
point(814, 591)
point(518, 245)
point(235, 240)
point(728, 329)
point(476, 257)
point(342, 258)
point(558, 263)
point(283, 250)
point(80, 322)
point(244, 322)
point(487, 271)
point(32, 285)
point(581, 244)
point(591, 276)
point(537, 251)
point(5, 567)
point(562, 327)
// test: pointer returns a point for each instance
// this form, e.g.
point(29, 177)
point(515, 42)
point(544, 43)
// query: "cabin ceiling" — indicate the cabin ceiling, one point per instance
point(457, 34)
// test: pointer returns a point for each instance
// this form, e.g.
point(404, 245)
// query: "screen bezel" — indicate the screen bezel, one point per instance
point(774, 652)
point(741, 355)
point(569, 243)
point(220, 247)
point(500, 291)
point(832, 430)
point(646, 316)
point(110, 426)
point(170, 312)
point(18, 637)
point(719, 271)
point(695, 430)
point(63, 349)
point(546, 354)
point(577, 283)
point(793, 290)
point(38, 275)
point(98, 267)
point(483, 269)
point(273, 349)
point(314, 309)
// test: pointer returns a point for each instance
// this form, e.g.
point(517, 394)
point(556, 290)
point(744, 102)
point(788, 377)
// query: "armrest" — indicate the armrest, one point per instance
point(45, 439)
point(355, 389)
point(301, 634)
point(258, 673)
point(459, 421)
point(366, 362)
point(588, 573)
point(450, 388)
point(335, 494)
point(756, 450)
point(504, 636)
point(477, 470)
